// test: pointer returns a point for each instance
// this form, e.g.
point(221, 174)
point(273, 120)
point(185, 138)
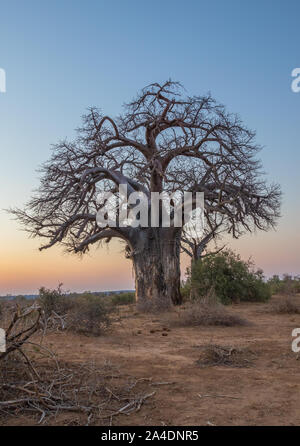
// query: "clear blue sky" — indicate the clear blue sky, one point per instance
point(62, 56)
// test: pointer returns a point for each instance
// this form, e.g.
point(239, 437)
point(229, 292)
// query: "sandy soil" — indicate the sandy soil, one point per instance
point(267, 393)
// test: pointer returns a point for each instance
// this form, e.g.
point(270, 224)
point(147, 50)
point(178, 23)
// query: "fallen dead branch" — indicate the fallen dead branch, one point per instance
point(166, 383)
point(215, 355)
point(84, 389)
point(132, 406)
point(33, 381)
point(24, 323)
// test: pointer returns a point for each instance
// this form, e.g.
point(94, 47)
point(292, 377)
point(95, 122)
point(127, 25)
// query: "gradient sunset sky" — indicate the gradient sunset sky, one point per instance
point(61, 57)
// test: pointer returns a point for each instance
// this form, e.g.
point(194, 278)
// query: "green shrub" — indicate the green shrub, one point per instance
point(123, 298)
point(229, 277)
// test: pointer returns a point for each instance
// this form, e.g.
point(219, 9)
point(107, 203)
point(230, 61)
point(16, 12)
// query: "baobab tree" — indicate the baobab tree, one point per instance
point(163, 141)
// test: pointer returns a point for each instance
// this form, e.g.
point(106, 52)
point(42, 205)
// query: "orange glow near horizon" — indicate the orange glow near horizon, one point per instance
point(24, 269)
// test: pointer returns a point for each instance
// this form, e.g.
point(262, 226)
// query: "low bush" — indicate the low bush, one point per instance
point(288, 285)
point(207, 312)
point(85, 313)
point(54, 301)
point(123, 298)
point(154, 305)
point(89, 315)
point(286, 306)
point(20, 300)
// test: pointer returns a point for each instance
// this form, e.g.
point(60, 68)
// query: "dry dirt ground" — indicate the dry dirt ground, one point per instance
point(138, 345)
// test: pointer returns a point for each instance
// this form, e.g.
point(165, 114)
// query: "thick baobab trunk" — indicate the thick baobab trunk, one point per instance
point(156, 261)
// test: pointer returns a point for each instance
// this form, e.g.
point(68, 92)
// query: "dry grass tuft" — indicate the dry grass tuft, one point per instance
point(286, 306)
point(208, 312)
point(214, 355)
point(155, 305)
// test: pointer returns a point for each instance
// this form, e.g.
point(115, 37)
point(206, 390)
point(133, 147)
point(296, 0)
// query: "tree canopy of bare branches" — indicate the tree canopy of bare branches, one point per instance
point(164, 140)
